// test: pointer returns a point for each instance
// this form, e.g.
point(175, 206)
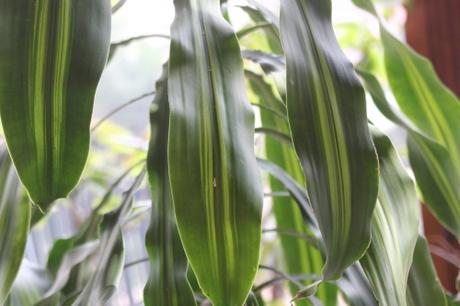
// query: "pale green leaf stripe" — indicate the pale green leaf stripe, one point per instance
point(167, 284)
point(433, 167)
point(423, 286)
point(435, 111)
point(327, 114)
point(394, 228)
point(53, 53)
point(14, 224)
point(216, 186)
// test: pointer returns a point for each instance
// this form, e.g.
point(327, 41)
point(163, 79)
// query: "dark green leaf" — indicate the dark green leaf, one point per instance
point(52, 55)
point(168, 283)
point(327, 115)
point(216, 186)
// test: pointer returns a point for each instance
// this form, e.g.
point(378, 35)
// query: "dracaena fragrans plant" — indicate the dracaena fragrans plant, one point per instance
point(346, 210)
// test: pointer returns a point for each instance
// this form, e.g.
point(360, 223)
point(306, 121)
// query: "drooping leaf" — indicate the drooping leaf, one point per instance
point(327, 115)
point(52, 55)
point(424, 287)
point(216, 186)
point(168, 284)
point(394, 228)
point(15, 214)
point(434, 110)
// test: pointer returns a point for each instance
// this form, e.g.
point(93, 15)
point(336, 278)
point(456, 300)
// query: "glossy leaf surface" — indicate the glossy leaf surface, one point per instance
point(327, 115)
point(168, 284)
point(52, 55)
point(215, 183)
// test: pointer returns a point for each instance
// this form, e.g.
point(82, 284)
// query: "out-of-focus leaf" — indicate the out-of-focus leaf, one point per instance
point(300, 256)
point(114, 47)
point(327, 115)
point(15, 216)
point(268, 62)
point(435, 173)
point(70, 259)
point(110, 254)
point(296, 191)
point(433, 109)
point(356, 287)
point(215, 183)
point(52, 56)
point(259, 14)
point(394, 228)
point(30, 285)
point(168, 284)
point(424, 287)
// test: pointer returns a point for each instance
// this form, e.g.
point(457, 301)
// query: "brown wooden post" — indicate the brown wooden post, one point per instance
point(433, 29)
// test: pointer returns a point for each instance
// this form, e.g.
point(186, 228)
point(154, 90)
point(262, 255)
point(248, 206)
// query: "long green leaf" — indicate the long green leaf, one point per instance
point(394, 228)
point(168, 283)
point(433, 109)
point(327, 115)
point(15, 214)
point(52, 55)
point(424, 287)
point(216, 186)
point(300, 257)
